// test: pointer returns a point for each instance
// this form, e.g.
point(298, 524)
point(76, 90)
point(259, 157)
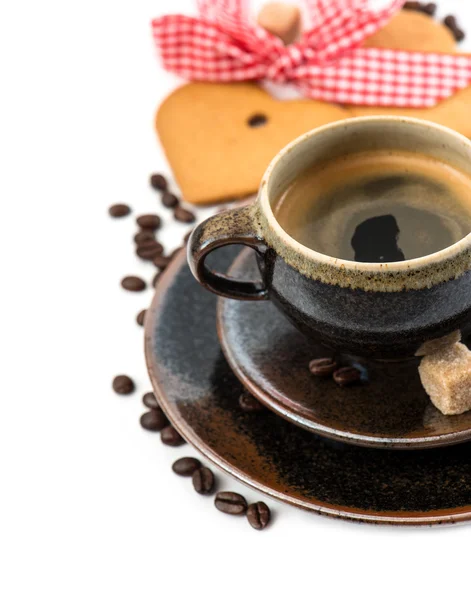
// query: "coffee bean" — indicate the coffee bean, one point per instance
point(146, 235)
point(183, 215)
point(452, 24)
point(150, 401)
point(323, 367)
point(154, 420)
point(162, 262)
point(258, 515)
point(412, 5)
point(149, 222)
point(175, 252)
point(203, 481)
point(186, 466)
point(149, 250)
point(230, 503)
point(141, 317)
point(249, 403)
point(171, 437)
point(169, 200)
point(151, 245)
point(158, 182)
point(122, 384)
point(133, 283)
point(347, 376)
point(429, 9)
point(156, 278)
point(119, 210)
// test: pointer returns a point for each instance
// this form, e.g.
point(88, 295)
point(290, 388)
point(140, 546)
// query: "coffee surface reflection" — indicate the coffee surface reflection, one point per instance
point(377, 207)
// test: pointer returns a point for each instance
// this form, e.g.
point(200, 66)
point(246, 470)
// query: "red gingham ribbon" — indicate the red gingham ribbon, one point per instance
point(328, 63)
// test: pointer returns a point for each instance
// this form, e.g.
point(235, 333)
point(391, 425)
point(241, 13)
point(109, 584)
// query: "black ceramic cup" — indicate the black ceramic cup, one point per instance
point(374, 310)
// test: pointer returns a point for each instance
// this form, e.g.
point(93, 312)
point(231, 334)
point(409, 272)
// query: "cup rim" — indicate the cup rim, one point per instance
point(310, 254)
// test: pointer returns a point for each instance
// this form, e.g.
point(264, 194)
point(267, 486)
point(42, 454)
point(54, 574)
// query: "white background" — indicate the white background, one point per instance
point(89, 507)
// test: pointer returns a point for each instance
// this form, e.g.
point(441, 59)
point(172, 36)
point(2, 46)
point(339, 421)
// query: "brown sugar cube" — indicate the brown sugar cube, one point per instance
point(282, 20)
point(439, 344)
point(446, 377)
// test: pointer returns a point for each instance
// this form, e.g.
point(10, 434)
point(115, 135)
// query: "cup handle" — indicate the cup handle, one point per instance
point(226, 228)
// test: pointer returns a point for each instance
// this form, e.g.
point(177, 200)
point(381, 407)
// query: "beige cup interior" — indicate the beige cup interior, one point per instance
point(367, 134)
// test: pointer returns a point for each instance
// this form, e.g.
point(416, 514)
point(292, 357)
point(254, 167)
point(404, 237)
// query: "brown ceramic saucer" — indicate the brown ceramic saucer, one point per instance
point(271, 358)
point(199, 393)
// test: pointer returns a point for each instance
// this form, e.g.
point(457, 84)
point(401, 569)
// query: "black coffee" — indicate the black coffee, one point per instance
point(377, 207)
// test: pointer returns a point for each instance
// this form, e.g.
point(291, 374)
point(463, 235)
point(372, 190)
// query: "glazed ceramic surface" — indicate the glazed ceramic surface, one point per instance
point(383, 311)
point(199, 393)
point(271, 357)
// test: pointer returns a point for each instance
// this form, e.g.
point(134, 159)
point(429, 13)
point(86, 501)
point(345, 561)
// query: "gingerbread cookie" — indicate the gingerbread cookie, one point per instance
point(416, 31)
point(453, 112)
point(220, 137)
point(413, 31)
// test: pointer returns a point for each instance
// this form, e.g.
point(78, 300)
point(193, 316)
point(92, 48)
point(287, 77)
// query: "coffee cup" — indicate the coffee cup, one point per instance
point(378, 310)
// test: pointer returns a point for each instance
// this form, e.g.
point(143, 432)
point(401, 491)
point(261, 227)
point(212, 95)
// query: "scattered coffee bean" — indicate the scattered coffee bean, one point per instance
point(133, 283)
point(323, 367)
point(175, 252)
point(162, 261)
point(158, 182)
point(141, 317)
point(149, 222)
point(450, 21)
point(151, 245)
point(187, 236)
point(429, 8)
point(186, 466)
point(154, 420)
point(453, 26)
point(146, 235)
point(169, 200)
point(150, 401)
point(183, 215)
point(230, 503)
point(156, 278)
point(412, 5)
point(347, 376)
point(171, 437)
point(149, 250)
point(119, 210)
point(122, 384)
point(258, 515)
point(459, 35)
point(249, 403)
point(203, 481)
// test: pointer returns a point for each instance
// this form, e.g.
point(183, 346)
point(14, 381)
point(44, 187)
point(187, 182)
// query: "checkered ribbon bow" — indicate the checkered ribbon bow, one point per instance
point(328, 63)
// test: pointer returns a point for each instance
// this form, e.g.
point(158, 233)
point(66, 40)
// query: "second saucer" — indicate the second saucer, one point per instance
point(271, 358)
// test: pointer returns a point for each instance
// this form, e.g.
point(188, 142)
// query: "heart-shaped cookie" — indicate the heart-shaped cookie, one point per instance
point(220, 138)
point(413, 31)
point(418, 32)
point(453, 112)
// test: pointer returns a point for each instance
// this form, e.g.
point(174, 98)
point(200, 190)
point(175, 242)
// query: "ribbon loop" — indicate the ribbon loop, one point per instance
point(328, 63)
point(284, 68)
